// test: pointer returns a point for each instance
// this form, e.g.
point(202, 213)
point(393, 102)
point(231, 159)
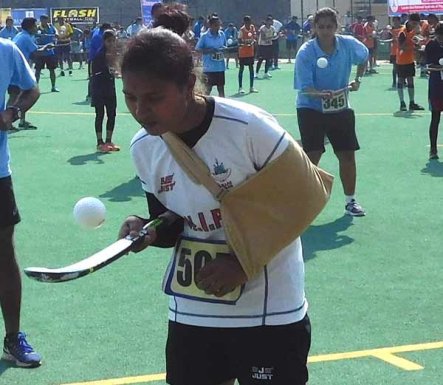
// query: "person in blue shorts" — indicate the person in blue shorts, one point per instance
point(323, 98)
point(212, 45)
point(15, 71)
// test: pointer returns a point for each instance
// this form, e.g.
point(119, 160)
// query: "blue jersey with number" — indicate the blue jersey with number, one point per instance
point(348, 51)
point(213, 62)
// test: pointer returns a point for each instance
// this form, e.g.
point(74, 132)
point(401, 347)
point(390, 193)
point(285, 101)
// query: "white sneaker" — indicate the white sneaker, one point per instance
point(241, 91)
point(354, 209)
point(256, 76)
point(268, 76)
point(253, 90)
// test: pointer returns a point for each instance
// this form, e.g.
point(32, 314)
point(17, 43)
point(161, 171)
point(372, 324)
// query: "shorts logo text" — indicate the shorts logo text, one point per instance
point(262, 373)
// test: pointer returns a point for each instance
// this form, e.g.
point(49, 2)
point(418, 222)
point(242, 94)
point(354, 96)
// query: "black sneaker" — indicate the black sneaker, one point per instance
point(415, 107)
point(403, 106)
point(433, 155)
point(18, 351)
point(62, 73)
point(354, 209)
point(70, 72)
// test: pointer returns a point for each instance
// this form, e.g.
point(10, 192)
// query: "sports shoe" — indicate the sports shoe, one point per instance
point(55, 89)
point(103, 148)
point(415, 107)
point(70, 72)
point(433, 155)
point(112, 147)
point(403, 106)
point(19, 351)
point(241, 91)
point(354, 209)
point(27, 126)
point(267, 76)
point(256, 76)
point(253, 90)
point(62, 73)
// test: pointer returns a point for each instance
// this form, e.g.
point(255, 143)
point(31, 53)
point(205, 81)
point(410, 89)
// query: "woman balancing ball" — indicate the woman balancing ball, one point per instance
point(219, 329)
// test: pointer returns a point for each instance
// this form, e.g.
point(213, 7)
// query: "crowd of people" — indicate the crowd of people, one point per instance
point(224, 322)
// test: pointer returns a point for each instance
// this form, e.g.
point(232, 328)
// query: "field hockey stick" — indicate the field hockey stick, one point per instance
point(94, 262)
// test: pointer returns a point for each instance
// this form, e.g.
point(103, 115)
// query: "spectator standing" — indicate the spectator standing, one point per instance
point(63, 48)
point(46, 34)
point(292, 31)
point(9, 30)
point(231, 34)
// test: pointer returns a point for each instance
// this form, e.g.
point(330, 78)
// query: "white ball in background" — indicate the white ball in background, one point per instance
point(322, 62)
point(440, 61)
point(89, 212)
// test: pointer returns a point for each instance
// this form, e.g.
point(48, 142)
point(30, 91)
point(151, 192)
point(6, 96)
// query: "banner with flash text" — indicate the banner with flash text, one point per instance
point(80, 15)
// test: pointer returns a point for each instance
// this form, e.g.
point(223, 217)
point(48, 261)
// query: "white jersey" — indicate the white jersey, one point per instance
point(240, 140)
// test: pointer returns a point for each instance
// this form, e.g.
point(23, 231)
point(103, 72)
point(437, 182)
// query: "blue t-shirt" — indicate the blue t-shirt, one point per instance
point(292, 30)
point(8, 33)
point(348, 52)
point(232, 33)
point(213, 62)
point(46, 36)
point(96, 43)
point(25, 41)
point(15, 71)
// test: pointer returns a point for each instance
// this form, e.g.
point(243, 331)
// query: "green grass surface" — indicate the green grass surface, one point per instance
point(371, 282)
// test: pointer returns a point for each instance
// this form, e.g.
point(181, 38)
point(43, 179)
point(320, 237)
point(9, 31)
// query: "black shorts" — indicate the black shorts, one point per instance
point(265, 355)
point(63, 49)
point(215, 78)
point(393, 60)
point(9, 215)
point(246, 61)
point(338, 127)
point(265, 52)
point(291, 44)
point(50, 62)
point(406, 70)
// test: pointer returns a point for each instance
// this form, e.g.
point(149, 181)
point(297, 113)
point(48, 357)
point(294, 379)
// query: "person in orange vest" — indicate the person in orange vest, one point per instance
point(405, 59)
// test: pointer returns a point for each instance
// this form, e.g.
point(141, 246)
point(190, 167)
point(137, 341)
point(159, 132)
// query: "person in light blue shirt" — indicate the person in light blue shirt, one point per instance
point(15, 71)
point(25, 41)
point(231, 35)
point(212, 45)
point(323, 67)
point(9, 30)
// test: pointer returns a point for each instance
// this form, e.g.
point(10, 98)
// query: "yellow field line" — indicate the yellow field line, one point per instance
point(127, 113)
point(384, 354)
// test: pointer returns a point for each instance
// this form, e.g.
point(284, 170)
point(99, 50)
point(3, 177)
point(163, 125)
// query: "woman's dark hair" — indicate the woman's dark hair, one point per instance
point(160, 53)
point(174, 18)
point(108, 33)
point(326, 12)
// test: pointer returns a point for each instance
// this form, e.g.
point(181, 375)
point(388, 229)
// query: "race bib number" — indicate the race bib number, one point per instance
point(337, 103)
point(190, 256)
point(218, 56)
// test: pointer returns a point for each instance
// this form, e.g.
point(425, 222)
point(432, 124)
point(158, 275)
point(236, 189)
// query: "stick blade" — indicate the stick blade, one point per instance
point(82, 268)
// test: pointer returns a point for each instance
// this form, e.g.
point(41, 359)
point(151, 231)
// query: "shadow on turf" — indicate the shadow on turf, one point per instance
point(4, 366)
point(81, 160)
point(326, 237)
point(125, 192)
point(433, 168)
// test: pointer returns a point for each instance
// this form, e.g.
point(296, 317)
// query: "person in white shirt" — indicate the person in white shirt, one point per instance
point(222, 325)
point(266, 34)
point(135, 27)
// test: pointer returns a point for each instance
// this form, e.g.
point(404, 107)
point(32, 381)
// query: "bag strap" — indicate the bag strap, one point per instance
point(192, 164)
